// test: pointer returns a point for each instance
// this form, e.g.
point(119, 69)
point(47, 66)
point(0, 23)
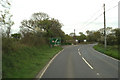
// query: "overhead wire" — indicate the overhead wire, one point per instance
point(96, 18)
point(111, 8)
point(99, 16)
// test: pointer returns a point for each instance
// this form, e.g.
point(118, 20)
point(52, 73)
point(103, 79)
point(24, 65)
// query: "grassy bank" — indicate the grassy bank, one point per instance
point(27, 61)
point(110, 51)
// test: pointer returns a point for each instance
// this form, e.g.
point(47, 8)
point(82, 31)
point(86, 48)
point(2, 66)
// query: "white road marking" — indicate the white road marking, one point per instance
point(87, 63)
point(49, 64)
point(78, 49)
point(79, 53)
point(98, 74)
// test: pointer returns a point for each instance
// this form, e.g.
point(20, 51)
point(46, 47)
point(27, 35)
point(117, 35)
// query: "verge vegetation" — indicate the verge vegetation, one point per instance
point(27, 61)
point(26, 52)
point(110, 50)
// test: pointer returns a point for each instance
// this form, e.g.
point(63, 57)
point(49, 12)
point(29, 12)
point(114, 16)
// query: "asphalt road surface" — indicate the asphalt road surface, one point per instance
point(82, 61)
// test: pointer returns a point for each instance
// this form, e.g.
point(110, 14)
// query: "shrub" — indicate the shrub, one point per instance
point(7, 45)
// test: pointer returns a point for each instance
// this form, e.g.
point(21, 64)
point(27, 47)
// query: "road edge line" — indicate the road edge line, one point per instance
point(41, 73)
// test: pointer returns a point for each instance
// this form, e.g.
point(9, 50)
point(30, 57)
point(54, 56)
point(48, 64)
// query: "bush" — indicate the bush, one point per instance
point(66, 43)
point(12, 44)
point(7, 45)
point(33, 40)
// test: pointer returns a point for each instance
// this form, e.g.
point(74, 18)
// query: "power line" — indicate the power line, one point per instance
point(93, 20)
point(111, 8)
point(92, 16)
point(99, 16)
point(87, 20)
point(88, 23)
point(109, 1)
point(102, 12)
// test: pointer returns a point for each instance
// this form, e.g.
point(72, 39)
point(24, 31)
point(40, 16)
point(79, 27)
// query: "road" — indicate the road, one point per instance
point(82, 61)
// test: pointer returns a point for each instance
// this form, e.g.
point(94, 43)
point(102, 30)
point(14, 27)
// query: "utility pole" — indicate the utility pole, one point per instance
point(74, 32)
point(105, 41)
point(74, 37)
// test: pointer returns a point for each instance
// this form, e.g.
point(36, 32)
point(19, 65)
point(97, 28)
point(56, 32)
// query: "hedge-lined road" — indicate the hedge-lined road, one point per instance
point(82, 61)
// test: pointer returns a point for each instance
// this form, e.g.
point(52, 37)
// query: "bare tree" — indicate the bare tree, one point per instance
point(40, 16)
point(5, 18)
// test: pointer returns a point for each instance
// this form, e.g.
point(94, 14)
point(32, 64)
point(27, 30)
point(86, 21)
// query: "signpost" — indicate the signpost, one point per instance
point(55, 41)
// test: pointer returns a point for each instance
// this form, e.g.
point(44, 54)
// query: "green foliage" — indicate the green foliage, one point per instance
point(113, 36)
point(10, 45)
point(5, 18)
point(67, 43)
point(93, 36)
point(40, 16)
point(7, 45)
point(26, 52)
point(16, 35)
point(34, 32)
point(68, 40)
point(32, 39)
point(72, 34)
point(111, 50)
point(82, 37)
point(67, 37)
point(41, 23)
point(27, 61)
point(52, 28)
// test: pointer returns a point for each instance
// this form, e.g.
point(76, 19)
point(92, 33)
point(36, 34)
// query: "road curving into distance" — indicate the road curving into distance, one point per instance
point(81, 61)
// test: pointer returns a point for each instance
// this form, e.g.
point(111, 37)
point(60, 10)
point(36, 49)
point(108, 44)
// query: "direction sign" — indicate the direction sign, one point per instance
point(55, 41)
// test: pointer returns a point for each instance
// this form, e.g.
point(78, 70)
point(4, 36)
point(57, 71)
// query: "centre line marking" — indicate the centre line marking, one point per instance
point(79, 53)
point(87, 63)
point(98, 74)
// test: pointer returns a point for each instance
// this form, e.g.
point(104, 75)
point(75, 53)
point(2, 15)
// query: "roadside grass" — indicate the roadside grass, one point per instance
point(110, 51)
point(27, 61)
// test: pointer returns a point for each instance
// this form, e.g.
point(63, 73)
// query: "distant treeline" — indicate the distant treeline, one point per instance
point(98, 36)
point(113, 36)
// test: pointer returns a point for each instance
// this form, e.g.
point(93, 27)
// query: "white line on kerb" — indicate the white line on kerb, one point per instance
point(87, 63)
point(49, 64)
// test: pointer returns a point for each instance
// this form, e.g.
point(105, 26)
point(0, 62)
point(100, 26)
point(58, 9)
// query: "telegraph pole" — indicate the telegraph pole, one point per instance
point(74, 37)
point(105, 41)
point(74, 32)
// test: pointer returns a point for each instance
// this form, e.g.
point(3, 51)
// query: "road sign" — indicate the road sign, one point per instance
point(55, 41)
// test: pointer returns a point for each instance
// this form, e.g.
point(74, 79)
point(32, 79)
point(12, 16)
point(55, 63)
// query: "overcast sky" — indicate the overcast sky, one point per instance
point(74, 14)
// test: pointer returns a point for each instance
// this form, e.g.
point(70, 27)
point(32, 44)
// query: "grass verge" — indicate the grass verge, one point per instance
point(110, 51)
point(27, 61)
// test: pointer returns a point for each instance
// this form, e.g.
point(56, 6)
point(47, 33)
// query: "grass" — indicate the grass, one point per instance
point(110, 50)
point(27, 61)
